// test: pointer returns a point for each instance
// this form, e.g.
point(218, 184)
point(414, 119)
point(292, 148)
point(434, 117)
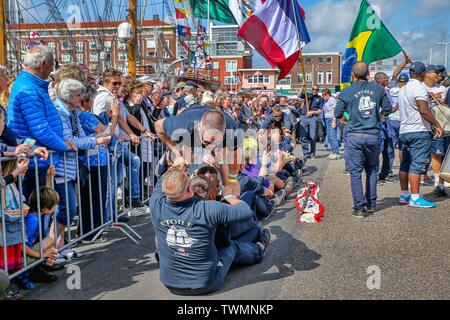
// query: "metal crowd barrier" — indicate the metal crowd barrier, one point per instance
point(116, 175)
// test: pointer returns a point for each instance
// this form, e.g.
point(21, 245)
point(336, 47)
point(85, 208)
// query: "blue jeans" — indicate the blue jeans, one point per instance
point(332, 136)
point(416, 152)
point(238, 253)
point(362, 152)
point(308, 133)
point(387, 147)
point(61, 216)
point(135, 165)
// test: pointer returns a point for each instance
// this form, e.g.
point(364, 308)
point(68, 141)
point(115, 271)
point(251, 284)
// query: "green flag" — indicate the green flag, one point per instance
point(370, 41)
point(219, 10)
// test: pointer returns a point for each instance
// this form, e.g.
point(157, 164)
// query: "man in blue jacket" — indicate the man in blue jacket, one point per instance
point(362, 100)
point(31, 113)
point(185, 228)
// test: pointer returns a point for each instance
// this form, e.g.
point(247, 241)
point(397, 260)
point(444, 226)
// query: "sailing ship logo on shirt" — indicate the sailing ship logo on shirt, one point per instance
point(179, 238)
point(366, 106)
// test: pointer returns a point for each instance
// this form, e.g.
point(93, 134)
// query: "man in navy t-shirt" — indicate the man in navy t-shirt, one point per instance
point(185, 227)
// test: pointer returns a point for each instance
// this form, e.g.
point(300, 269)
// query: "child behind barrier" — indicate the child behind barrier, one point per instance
point(48, 199)
point(11, 231)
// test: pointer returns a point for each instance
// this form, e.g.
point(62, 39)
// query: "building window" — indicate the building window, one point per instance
point(216, 78)
point(320, 59)
point(286, 81)
point(231, 80)
point(308, 60)
point(216, 65)
point(308, 77)
point(66, 58)
point(150, 44)
point(122, 45)
point(93, 57)
point(52, 46)
point(123, 56)
point(250, 79)
point(299, 77)
point(108, 46)
point(66, 45)
point(151, 54)
point(329, 77)
point(80, 47)
point(231, 66)
point(329, 60)
point(80, 58)
point(320, 79)
point(93, 45)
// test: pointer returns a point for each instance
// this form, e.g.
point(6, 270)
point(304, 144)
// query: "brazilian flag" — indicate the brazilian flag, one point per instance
point(370, 41)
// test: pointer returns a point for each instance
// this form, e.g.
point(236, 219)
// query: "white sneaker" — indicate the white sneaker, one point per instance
point(70, 254)
point(137, 213)
point(334, 157)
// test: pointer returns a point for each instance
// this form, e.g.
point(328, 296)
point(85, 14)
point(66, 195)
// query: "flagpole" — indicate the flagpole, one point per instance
point(301, 59)
point(209, 37)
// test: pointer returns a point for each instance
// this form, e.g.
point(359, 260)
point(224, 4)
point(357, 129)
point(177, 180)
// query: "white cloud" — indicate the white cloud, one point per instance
point(431, 7)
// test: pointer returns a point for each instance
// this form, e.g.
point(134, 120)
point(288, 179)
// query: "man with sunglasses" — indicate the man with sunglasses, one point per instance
point(309, 122)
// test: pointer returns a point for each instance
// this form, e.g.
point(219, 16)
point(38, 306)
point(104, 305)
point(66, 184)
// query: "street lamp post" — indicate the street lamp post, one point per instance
point(446, 51)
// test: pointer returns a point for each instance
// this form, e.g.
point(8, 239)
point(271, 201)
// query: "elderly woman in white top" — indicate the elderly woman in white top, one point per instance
point(331, 123)
point(69, 99)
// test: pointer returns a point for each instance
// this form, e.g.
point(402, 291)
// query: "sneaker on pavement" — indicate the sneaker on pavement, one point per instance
point(421, 203)
point(136, 203)
point(371, 209)
point(70, 254)
point(53, 267)
point(427, 182)
point(334, 157)
point(440, 192)
point(404, 200)
point(345, 172)
point(280, 196)
point(388, 179)
point(39, 275)
point(289, 185)
point(271, 209)
point(264, 239)
point(359, 214)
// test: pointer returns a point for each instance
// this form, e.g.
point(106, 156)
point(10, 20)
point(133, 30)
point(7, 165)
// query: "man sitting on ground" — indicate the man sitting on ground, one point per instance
point(185, 227)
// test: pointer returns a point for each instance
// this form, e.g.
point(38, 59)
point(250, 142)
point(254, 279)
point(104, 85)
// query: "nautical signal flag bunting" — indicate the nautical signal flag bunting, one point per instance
point(275, 30)
point(181, 13)
point(370, 41)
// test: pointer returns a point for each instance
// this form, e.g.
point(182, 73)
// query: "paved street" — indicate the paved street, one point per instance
point(305, 261)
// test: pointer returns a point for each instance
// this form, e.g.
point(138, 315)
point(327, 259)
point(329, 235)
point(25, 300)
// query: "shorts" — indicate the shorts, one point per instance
point(438, 147)
point(416, 152)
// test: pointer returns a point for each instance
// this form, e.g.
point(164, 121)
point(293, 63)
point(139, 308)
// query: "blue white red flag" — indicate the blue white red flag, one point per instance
point(275, 30)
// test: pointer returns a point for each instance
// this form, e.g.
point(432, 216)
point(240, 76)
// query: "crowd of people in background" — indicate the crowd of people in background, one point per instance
point(219, 162)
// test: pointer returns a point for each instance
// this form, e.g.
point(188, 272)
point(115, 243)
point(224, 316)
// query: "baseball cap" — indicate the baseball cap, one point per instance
point(431, 68)
point(442, 70)
point(403, 78)
point(417, 68)
point(180, 85)
point(192, 84)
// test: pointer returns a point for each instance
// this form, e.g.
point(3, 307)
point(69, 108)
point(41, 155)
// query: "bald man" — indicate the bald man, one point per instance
point(363, 100)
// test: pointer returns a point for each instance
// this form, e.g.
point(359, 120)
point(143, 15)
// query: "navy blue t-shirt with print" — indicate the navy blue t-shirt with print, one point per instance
point(185, 233)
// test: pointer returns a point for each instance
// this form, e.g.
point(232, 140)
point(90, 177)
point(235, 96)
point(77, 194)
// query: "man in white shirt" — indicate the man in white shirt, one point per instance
point(415, 133)
point(436, 92)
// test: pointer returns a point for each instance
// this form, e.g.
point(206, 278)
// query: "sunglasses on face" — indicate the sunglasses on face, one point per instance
point(116, 83)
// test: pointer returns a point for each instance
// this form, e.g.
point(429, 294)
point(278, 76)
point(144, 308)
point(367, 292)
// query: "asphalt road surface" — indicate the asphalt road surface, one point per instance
point(397, 253)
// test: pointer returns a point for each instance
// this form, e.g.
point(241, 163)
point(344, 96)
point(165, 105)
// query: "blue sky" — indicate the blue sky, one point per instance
point(417, 24)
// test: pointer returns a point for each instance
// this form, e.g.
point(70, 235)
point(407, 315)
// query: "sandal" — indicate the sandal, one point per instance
point(12, 294)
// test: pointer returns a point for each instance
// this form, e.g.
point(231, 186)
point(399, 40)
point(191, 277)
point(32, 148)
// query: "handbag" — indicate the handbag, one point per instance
point(442, 114)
